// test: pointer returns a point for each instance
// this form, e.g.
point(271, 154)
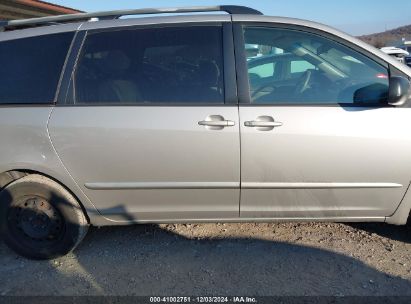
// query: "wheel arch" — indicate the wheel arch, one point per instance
point(401, 216)
point(10, 176)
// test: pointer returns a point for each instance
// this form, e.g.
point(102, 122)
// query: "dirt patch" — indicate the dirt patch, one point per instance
point(222, 259)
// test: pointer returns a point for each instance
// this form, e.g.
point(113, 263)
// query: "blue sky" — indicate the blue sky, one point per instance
point(353, 16)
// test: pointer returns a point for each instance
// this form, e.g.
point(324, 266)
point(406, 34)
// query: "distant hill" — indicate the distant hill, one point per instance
point(381, 39)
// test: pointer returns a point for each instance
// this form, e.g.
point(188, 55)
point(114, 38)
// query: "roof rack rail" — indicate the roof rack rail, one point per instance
point(231, 9)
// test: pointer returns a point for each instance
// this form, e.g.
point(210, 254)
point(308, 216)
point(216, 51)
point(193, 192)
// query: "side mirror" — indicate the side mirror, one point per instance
point(399, 92)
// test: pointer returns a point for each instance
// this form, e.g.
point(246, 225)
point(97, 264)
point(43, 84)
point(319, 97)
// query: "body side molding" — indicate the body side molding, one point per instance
point(232, 185)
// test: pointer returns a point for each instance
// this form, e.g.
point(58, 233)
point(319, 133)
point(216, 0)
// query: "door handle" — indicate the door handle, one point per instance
point(216, 122)
point(256, 123)
point(263, 123)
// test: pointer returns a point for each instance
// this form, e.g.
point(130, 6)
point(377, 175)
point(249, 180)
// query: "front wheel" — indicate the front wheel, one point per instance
point(40, 219)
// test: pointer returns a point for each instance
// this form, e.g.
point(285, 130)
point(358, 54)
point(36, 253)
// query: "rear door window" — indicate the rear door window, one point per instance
point(156, 65)
point(31, 68)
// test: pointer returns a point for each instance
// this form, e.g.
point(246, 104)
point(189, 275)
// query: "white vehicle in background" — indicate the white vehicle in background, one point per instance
point(395, 52)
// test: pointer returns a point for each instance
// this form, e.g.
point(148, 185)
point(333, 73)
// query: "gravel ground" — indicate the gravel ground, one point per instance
point(222, 259)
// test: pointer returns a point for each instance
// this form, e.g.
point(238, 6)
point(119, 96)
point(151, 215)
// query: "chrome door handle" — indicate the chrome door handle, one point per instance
point(217, 123)
point(263, 123)
point(256, 123)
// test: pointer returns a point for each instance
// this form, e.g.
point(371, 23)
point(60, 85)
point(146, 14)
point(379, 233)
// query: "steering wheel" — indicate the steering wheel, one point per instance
point(303, 83)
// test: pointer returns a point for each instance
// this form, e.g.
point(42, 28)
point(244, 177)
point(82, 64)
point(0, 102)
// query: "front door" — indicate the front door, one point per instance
point(147, 133)
point(317, 138)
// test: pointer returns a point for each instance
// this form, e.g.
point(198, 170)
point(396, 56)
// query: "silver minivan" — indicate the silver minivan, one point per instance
point(171, 118)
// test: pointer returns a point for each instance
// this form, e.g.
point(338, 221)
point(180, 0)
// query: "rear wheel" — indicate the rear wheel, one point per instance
point(40, 219)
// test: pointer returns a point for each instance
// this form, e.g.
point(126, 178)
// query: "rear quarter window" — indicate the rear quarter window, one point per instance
point(31, 68)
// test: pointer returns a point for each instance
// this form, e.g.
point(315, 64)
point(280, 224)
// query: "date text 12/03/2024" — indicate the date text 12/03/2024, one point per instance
point(239, 299)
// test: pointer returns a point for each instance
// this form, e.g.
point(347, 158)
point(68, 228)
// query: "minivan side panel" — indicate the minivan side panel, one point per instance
point(322, 160)
point(25, 145)
point(151, 163)
point(150, 156)
point(325, 162)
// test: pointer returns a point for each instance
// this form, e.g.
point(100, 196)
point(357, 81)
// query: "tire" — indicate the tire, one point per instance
point(40, 219)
